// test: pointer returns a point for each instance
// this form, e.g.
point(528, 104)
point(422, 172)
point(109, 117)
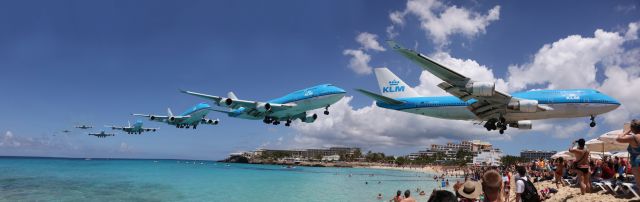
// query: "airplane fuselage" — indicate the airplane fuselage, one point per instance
point(196, 113)
point(306, 99)
point(564, 104)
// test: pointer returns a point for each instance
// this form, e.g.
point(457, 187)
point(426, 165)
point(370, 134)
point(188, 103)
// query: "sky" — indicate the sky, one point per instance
point(65, 63)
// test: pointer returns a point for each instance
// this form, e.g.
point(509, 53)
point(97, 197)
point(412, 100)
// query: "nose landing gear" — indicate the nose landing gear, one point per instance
point(326, 110)
point(593, 121)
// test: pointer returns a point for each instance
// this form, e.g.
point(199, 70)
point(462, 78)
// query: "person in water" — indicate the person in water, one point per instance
point(630, 135)
point(581, 165)
point(398, 197)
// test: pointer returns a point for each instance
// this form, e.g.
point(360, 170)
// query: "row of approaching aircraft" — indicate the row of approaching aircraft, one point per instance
point(471, 100)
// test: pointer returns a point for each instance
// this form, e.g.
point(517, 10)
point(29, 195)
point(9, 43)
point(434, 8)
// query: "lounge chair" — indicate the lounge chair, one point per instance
point(627, 188)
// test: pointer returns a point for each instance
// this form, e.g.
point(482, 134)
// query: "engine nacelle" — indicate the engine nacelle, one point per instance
point(171, 119)
point(152, 118)
point(522, 125)
point(263, 107)
point(210, 122)
point(481, 88)
point(310, 119)
point(524, 106)
point(225, 102)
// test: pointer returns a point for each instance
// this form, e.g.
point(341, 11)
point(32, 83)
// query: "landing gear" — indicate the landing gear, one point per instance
point(288, 123)
point(593, 121)
point(499, 124)
point(267, 120)
point(326, 110)
point(275, 123)
point(194, 126)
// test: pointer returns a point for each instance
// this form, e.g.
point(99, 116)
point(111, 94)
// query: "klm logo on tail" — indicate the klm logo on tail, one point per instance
point(393, 87)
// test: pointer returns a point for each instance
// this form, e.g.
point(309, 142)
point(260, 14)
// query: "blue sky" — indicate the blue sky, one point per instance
point(71, 62)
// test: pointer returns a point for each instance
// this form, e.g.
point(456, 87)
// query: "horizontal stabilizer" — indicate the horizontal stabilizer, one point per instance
point(380, 98)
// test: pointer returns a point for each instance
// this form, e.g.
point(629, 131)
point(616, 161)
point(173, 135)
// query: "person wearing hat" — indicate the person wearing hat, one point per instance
point(470, 191)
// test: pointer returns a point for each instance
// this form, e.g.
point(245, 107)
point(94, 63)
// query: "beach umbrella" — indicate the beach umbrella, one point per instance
point(597, 145)
point(566, 155)
point(595, 156)
point(621, 155)
point(610, 137)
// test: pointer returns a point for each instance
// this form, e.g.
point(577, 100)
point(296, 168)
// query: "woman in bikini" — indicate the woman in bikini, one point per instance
point(559, 171)
point(581, 165)
point(630, 135)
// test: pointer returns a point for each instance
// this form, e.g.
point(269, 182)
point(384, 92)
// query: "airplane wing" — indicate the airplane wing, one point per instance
point(234, 103)
point(116, 127)
point(163, 118)
point(489, 101)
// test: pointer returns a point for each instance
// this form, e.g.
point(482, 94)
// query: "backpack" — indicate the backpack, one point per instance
point(530, 193)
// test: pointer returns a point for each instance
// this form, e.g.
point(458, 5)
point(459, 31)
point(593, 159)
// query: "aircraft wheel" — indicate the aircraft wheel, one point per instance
point(287, 124)
point(501, 131)
point(326, 112)
point(592, 124)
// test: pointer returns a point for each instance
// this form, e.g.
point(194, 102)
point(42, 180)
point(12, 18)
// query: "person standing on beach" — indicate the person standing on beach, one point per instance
point(559, 171)
point(506, 180)
point(630, 135)
point(581, 165)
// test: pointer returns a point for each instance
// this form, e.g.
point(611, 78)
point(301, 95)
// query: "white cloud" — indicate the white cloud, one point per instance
point(632, 31)
point(359, 61)
point(9, 141)
point(567, 63)
point(369, 41)
point(441, 21)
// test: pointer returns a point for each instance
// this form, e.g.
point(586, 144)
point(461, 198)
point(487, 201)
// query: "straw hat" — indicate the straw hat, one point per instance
point(470, 189)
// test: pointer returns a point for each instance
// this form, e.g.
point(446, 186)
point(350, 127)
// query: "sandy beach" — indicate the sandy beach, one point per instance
point(425, 169)
point(572, 194)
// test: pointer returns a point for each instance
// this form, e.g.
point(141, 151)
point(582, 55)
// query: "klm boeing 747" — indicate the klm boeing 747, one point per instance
point(287, 108)
point(474, 100)
point(136, 128)
point(190, 118)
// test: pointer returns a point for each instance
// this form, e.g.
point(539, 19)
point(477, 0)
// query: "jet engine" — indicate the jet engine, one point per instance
point(210, 122)
point(522, 125)
point(310, 119)
point(171, 119)
point(263, 107)
point(481, 88)
point(524, 105)
point(152, 118)
point(225, 102)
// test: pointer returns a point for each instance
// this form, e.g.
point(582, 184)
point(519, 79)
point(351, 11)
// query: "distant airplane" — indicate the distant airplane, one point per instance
point(192, 117)
point(84, 127)
point(136, 128)
point(287, 108)
point(102, 134)
point(66, 131)
point(473, 100)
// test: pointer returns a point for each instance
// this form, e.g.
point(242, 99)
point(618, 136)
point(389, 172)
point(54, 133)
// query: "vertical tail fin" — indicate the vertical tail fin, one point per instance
point(129, 123)
point(232, 95)
point(392, 86)
point(169, 113)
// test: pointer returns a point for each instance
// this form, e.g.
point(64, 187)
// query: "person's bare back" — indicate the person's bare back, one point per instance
point(410, 199)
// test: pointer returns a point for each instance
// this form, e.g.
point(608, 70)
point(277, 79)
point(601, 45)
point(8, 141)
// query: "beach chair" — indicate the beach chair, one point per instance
point(572, 182)
point(606, 185)
point(627, 188)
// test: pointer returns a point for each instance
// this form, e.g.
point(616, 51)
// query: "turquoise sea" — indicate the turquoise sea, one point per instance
point(53, 179)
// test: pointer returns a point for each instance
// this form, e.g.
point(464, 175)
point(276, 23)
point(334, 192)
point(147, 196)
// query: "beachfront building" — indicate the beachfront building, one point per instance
point(490, 158)
point(309, 154)
point(536, 154)
point(450, 149)
point(331, 158)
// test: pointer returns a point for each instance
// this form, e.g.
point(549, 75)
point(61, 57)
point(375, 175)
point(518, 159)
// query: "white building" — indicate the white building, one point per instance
point(491, 158)
point(331, 158)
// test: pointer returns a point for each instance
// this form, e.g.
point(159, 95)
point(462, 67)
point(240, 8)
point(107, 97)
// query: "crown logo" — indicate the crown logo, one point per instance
point(394, 83)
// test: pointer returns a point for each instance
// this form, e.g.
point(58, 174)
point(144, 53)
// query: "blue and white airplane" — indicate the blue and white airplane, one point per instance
point(473, 100)
point(102, 134)
point(287, 108)
point(190, 118)
point(136, 128)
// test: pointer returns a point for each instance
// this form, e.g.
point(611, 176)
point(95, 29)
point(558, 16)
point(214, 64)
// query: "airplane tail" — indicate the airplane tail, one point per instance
point(392, 86)
point(129, 122)
point(169, 112)
point(232, 95)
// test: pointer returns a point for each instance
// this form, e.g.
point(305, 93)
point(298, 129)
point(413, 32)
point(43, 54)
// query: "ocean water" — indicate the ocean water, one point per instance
point(45, 179)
